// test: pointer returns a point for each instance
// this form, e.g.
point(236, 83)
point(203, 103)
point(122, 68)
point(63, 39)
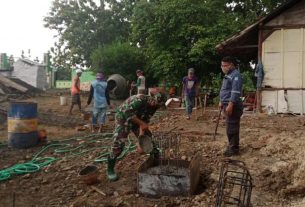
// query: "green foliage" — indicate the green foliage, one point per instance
point(216, 82)
point(83, 25)
point(250, 10)
point(248, 84)
point(62, 74)
point(163, 37)
point(178, 34)
point(117, 57)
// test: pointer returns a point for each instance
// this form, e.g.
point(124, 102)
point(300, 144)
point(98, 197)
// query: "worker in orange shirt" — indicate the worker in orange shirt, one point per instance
point(75, 91)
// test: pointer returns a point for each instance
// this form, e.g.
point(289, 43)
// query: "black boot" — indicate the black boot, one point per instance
point(231, 151)
point(155, 153)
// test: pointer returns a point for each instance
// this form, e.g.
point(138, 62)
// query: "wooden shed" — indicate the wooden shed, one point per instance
point(278, 40)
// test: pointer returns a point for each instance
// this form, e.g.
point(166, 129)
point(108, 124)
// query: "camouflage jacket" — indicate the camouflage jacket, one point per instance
point(136, 105)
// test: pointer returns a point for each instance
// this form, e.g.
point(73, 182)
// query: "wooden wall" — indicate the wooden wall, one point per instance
point(283, 55)
point(290, 17)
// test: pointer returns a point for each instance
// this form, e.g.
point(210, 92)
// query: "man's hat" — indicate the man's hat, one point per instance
point(191, 70)
point(78, 71)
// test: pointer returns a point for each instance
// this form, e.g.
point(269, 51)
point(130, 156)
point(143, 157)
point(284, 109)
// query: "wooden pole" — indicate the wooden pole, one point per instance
point(260, 55)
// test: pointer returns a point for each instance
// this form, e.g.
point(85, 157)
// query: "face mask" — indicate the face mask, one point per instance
point(224, 70)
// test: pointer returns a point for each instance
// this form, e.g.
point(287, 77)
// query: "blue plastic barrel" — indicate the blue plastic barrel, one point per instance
point(22, 124)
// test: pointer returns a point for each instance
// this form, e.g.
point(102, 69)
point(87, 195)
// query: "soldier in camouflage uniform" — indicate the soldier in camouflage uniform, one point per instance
point(133, 115)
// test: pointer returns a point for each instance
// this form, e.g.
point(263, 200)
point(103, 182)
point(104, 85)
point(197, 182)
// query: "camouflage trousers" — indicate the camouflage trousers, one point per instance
point(120, 135)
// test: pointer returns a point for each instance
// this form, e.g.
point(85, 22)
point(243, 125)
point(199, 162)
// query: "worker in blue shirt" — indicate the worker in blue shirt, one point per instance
point(231, 103)
point(100, 93)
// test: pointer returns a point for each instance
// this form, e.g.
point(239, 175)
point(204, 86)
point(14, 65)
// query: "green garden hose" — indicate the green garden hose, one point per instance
point(64, 147)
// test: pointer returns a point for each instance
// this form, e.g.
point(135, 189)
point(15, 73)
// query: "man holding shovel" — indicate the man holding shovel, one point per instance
point(231, 103)
point(133, 115)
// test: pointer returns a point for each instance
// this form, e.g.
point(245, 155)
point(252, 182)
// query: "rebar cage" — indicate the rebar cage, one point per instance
point(234, 185)
point(168, 144)
point(168, 175)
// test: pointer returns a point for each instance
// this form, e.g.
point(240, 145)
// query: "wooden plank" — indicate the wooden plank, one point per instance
point(98, 190)
point(260, 58)
point(294, 99)
point(282, 57)
point(287, 26)
point(302, 70)
point(265, 34)
point(269, 98)
point(273, 42)
point(7, 82)
point(290, 16)
point(272, 67)
point(292, 40)
point(292, 76)
point(282, 103)
point(246, 46)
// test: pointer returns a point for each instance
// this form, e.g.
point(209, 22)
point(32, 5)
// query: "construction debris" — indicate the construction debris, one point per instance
point(14, 88)
point(98, 190)
point(11, 84)
point(173, 103)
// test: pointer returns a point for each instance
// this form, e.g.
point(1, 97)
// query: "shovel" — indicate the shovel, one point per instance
point(217, 123)
point(145, 142)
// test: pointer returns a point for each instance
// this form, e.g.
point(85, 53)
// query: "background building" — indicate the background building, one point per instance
point(278, 40)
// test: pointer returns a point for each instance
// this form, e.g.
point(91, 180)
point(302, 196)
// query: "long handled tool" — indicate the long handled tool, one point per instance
point(205, 103)
point(196, 108)
point(217, 123)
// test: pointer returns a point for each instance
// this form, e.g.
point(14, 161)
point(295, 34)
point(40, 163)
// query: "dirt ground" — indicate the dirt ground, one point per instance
point(271, 146)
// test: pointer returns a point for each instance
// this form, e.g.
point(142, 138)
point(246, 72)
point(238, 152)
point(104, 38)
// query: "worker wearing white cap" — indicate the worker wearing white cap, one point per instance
point(75, 91)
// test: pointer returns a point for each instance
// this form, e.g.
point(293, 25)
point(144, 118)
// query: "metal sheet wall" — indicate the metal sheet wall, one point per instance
point(284, 63)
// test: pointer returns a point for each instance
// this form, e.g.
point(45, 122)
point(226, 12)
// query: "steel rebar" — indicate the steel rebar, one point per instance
point(234, 185)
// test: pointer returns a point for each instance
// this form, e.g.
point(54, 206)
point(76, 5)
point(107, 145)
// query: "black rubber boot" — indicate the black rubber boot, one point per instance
point(231, 151)
point(155, 153)
point(112, 176)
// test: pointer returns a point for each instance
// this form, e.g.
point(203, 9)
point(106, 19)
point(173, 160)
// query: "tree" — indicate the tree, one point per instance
point(177, 34)
point(251, 10)
point(83, 26)
point(118, 57)
point(170, 35)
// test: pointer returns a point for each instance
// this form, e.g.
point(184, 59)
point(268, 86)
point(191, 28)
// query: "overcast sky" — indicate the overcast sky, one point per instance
point(21, 27)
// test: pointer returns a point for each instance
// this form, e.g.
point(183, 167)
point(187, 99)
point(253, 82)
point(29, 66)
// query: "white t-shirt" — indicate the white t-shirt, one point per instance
point(142, 84)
